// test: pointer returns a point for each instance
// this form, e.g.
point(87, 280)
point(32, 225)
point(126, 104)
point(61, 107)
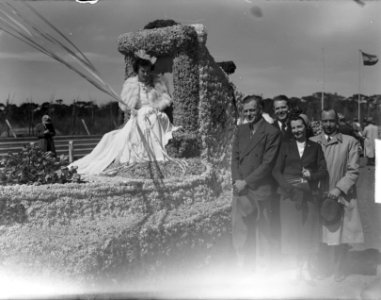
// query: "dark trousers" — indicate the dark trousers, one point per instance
point(251, 228)
point(275, 224)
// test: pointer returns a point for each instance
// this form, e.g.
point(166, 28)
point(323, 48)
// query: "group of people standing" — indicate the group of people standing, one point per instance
point(294, 193)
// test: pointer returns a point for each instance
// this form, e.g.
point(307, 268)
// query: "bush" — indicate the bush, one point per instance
point(33, 166)
point(160, 23)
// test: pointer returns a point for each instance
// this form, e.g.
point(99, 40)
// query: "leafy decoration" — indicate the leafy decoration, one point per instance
point(31, 165)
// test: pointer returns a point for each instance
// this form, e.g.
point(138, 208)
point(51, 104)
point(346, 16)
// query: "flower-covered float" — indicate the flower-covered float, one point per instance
point(143, 220)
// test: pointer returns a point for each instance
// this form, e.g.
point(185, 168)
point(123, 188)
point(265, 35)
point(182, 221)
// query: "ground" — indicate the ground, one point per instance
point(220, 282)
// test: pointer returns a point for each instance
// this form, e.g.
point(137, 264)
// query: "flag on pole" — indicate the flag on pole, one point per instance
point(369, 59)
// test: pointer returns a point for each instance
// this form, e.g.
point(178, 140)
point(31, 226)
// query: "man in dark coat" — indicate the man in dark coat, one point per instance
point(45, 132)
point(255, 148)
point(281, 115)
point(281, 108)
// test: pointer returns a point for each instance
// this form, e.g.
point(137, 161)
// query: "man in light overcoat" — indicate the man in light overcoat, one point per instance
point(341, 153)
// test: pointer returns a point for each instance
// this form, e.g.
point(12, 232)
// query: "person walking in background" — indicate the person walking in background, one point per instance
point(370, 134)
point(255, 147)
point(298, 170)
point(341, 153)
point(45, 132)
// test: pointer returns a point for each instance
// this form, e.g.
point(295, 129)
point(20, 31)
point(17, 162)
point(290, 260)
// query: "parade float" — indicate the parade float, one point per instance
point(141, 221)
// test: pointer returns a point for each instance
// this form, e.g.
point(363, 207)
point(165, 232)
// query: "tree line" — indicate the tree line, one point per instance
point(67, 119)
point(99, 119)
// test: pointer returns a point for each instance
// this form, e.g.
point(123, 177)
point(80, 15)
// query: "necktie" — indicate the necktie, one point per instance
point(329, 139)
point(284, 127)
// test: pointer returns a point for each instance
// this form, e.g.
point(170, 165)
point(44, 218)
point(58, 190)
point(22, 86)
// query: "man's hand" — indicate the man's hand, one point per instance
point(334, 193)
point(240, 185)
point(46, 131)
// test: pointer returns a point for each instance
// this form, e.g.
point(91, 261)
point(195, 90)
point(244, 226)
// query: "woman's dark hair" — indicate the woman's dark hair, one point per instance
point(139, 62)
point(296, 116)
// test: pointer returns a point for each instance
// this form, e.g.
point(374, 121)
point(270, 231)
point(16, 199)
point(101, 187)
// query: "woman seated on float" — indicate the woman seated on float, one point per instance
point(147, 132)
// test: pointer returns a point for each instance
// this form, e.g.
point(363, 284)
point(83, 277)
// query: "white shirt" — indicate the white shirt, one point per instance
point(301, 147)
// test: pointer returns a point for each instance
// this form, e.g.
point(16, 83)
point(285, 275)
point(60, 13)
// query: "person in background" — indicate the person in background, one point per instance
point(45, 132)
point(341, 153)
point(344, 127)
point(370, 134)
point(299, 168)
point(356, 126)
point(255, 146)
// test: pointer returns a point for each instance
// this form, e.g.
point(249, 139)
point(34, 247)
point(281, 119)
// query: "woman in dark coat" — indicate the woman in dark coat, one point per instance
point(299, 167)
point(45, 132)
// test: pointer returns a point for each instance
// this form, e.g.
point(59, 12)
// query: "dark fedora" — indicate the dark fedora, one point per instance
point(331, 211)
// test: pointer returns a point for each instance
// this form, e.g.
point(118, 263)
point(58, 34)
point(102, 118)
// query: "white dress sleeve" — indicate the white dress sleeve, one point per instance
point(129, 94)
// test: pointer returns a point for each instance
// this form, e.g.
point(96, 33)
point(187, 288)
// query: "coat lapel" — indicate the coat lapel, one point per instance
point(307, 149)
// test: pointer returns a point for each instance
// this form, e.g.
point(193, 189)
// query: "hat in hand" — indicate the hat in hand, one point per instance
point(331, 211)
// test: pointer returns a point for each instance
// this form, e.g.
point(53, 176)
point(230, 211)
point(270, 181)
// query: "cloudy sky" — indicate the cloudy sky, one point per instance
point(279, 47)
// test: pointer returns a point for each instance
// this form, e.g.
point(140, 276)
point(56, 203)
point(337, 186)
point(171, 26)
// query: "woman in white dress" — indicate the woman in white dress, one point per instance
point(147, 132)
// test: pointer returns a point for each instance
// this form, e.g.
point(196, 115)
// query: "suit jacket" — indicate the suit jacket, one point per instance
point(285, 135)
point(254, 155)
point(289, 163)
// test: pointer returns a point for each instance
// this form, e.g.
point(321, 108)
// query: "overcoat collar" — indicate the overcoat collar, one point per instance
point(336, 138)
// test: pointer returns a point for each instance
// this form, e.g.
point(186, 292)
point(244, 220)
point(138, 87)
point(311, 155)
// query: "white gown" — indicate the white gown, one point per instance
point(142, 138)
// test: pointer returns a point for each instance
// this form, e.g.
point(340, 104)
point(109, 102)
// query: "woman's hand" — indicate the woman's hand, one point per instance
point(306, 173)
point(134, 112)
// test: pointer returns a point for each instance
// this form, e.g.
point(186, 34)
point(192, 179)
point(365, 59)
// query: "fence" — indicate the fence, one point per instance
point(81, 144)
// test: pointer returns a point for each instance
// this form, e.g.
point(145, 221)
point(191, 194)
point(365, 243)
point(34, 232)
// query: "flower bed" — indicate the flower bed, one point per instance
point(157, 170)
point(111, 229)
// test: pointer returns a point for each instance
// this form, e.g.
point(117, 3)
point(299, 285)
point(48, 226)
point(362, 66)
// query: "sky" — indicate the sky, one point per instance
point(289, 47)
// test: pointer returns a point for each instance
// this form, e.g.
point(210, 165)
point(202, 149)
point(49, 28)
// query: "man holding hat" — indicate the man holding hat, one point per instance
point(255, 146)
point(45, 132)
point(341, 221)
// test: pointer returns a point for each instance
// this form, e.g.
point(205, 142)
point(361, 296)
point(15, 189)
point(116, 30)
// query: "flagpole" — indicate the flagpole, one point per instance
point(322, 94)
point(358, 96)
